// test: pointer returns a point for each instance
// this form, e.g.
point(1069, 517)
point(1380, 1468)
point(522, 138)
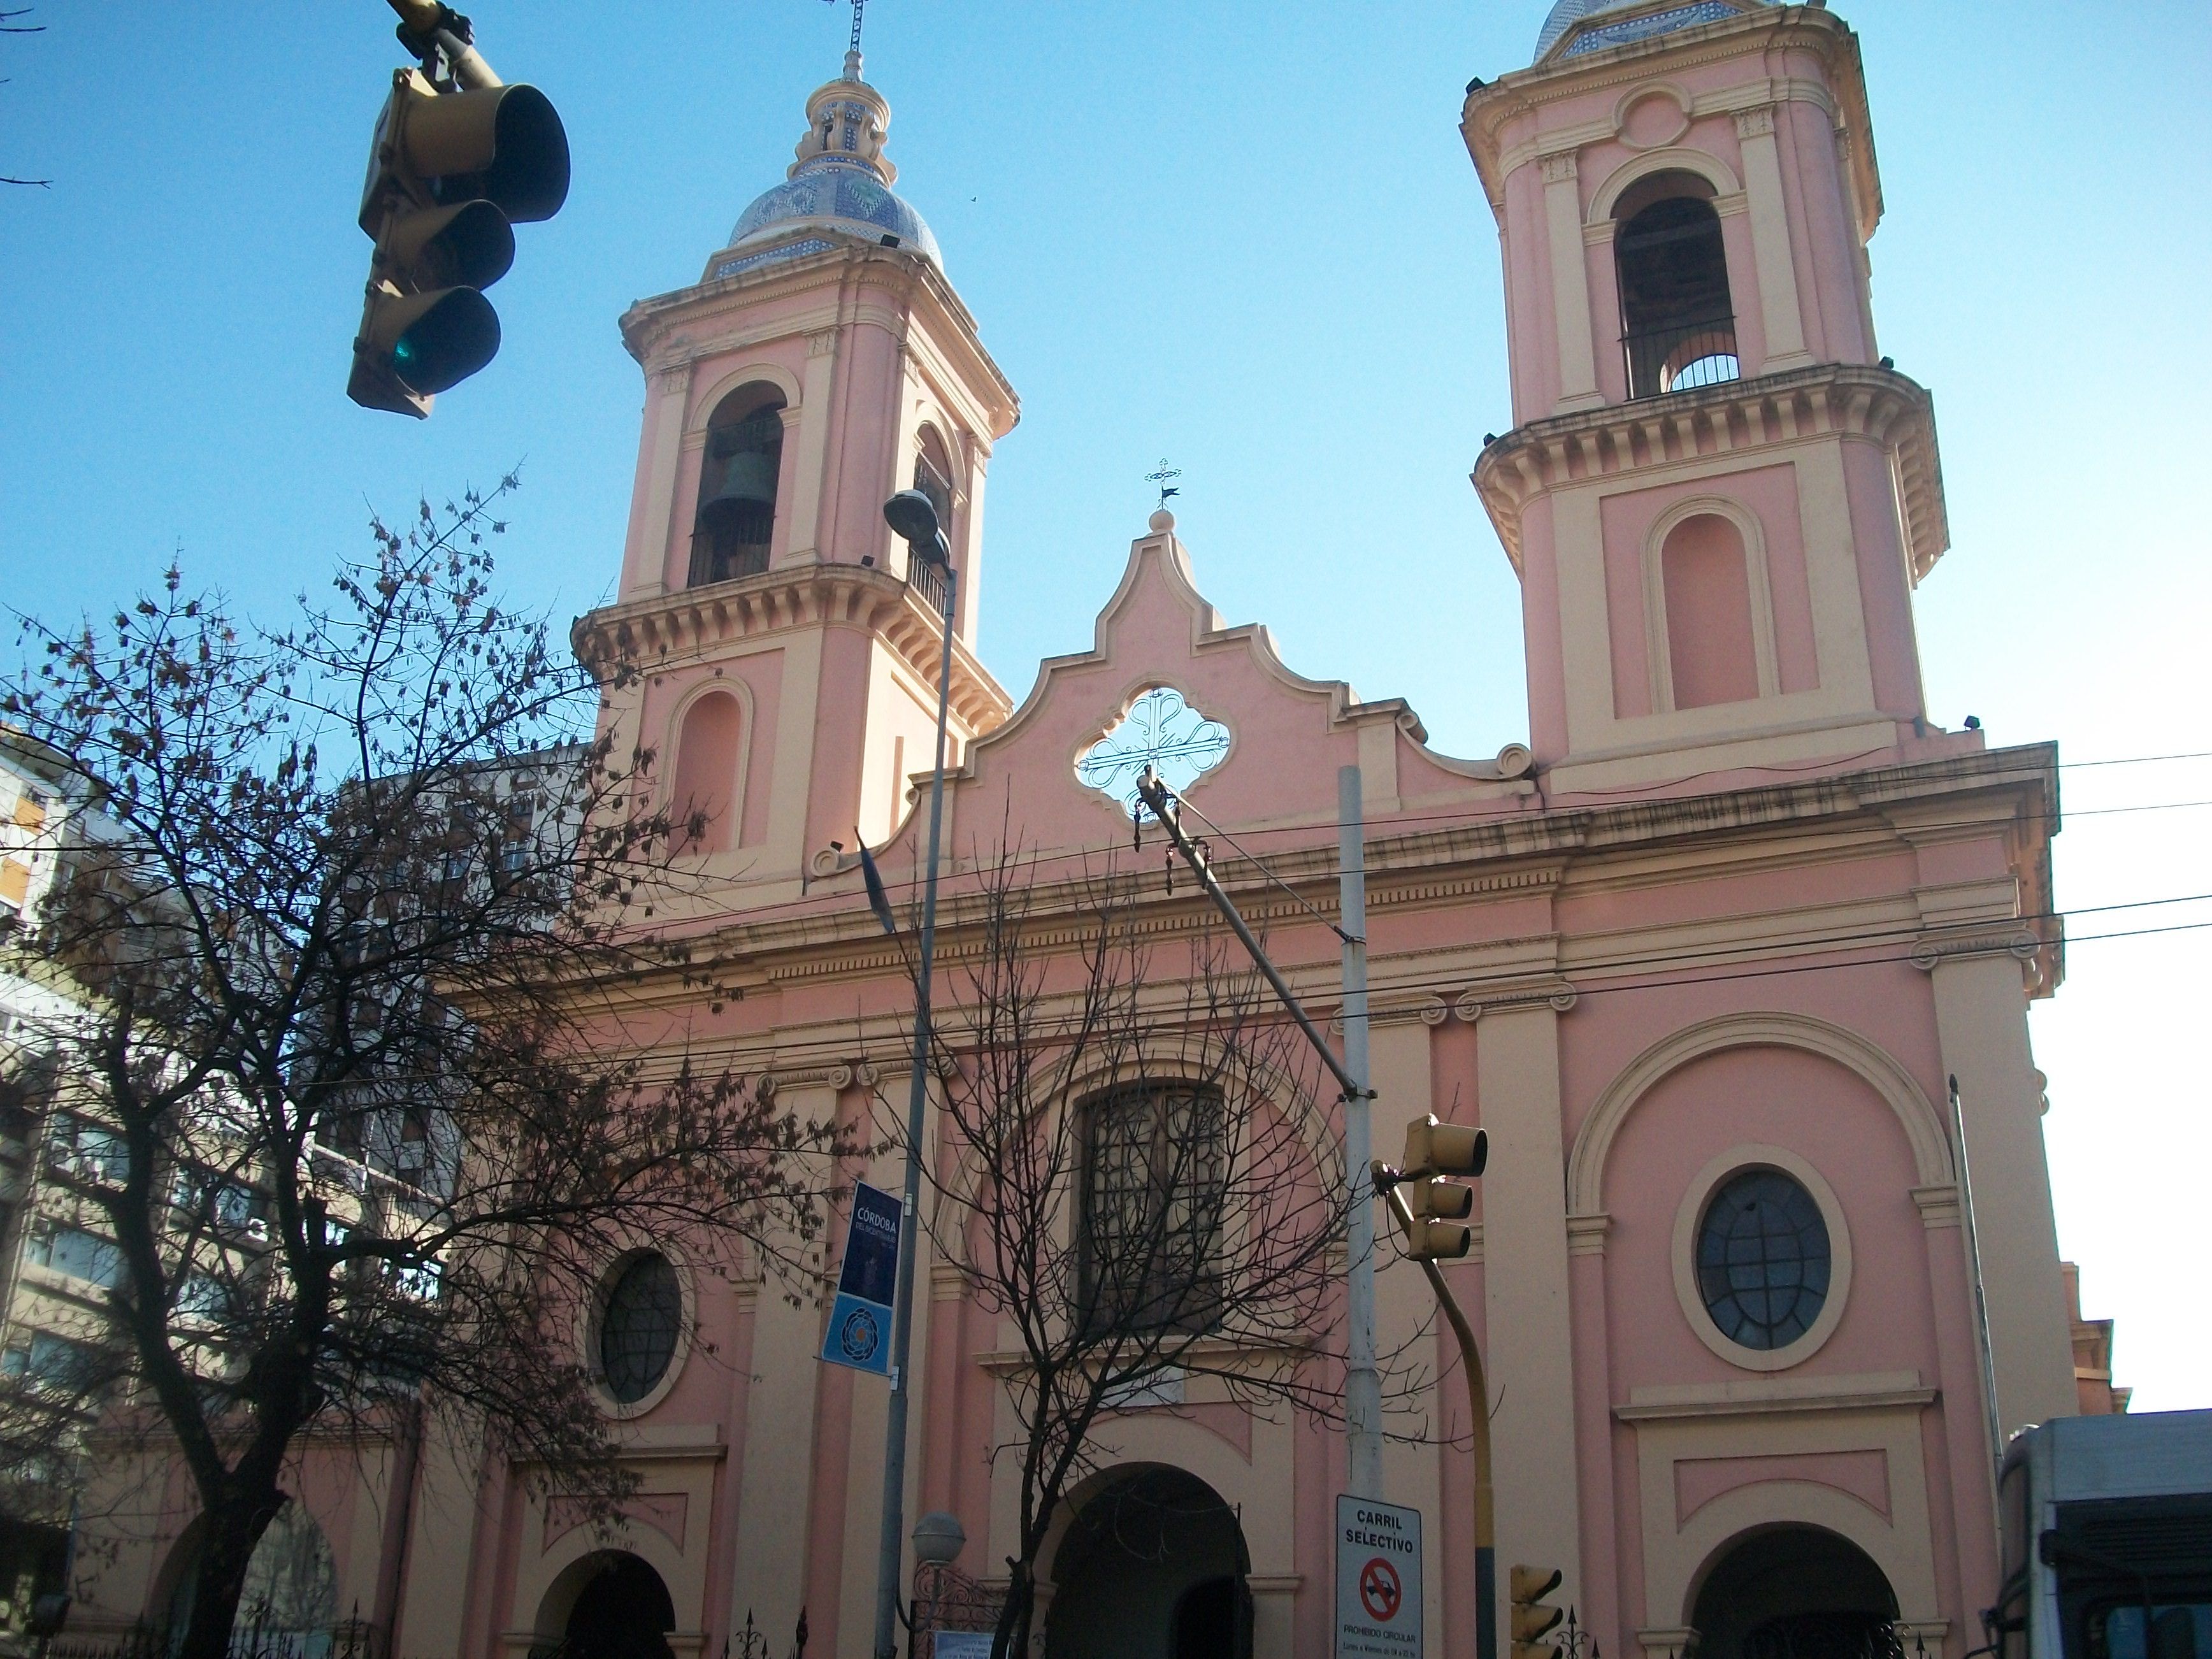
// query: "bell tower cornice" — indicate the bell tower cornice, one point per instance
point(676, 631)
point(1522, 99)
point(817, 295)
point(1688, 428)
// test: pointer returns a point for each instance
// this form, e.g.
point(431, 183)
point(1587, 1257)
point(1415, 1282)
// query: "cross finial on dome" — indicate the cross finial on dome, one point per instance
point(852, 52)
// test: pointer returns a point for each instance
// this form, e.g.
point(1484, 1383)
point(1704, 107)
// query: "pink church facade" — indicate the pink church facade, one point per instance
point(1735, 917)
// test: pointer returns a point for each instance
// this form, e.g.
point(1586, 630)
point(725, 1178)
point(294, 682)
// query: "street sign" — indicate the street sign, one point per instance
point(1378, 1581)
point(859, 1333)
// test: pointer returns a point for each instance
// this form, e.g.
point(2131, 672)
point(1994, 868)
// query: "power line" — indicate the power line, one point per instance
point(1381, 829)
point(1855, 942)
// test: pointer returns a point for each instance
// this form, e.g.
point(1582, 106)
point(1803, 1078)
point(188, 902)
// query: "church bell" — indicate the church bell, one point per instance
point(745, 491)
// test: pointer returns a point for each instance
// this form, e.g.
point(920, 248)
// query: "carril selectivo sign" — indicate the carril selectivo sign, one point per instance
point(1378, 1581)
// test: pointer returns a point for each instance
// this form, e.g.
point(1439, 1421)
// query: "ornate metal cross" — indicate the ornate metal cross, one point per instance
point(859, 9)
point(1163, 478)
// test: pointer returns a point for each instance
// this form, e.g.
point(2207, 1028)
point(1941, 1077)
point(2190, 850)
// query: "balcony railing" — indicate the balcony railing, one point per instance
point(927, 578)
point(1677, 359)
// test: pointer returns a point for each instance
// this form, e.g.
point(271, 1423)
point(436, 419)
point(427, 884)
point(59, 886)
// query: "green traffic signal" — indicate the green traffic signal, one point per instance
point(451, 171)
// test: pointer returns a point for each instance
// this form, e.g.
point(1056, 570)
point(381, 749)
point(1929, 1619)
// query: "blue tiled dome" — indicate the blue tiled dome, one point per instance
point(831, 194)
point(1568, 13)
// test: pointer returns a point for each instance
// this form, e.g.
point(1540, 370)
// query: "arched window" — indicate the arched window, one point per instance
point(1707, 583)
point(1677, 319)
point(702, 802)
point(1155, 1175)
point(933, 477)
point(737, 486)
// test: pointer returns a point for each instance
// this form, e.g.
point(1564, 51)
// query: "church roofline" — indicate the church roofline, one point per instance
point(1501, 852)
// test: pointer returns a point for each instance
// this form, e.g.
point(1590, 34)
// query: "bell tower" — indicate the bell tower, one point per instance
point(1717, 494)
point(787, 656)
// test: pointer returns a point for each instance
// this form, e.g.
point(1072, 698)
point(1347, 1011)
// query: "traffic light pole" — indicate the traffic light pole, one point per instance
point(427, 20)
point(1362, 1389)
point(1154, 793)
point(1478, 1395)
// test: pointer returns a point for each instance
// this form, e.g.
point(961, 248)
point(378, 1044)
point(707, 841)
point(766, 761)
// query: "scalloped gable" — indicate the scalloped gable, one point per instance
point(1289, 735)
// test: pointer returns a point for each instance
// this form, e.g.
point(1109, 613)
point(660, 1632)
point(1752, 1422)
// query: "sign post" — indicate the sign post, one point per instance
point(1378, 1580)
point(859, 1333)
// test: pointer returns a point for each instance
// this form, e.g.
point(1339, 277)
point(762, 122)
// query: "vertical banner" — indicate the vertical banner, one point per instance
point(859, 1333)
point(1378, 1581)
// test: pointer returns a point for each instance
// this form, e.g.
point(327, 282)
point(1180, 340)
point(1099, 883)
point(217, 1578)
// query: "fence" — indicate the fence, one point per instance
point(1664, 360)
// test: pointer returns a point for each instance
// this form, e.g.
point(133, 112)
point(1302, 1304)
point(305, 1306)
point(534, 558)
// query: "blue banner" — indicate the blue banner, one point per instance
point(859, 1333)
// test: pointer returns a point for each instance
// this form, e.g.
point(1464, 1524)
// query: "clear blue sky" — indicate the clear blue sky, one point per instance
point(1245, 236)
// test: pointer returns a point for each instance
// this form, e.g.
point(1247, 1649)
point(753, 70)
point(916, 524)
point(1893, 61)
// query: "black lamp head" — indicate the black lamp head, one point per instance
point(913, 517)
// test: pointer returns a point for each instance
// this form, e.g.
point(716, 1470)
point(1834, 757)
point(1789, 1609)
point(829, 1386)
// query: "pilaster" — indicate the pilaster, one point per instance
point(1570, 301)
point(1779, 304)
point(1981, 1018)
point(1525, 1280)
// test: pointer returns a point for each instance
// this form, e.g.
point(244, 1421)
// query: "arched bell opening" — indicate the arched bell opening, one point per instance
point(1154, 1566)
point(738, 473)
point(1677, 314)
point(933, 477)
point(1796, 1593)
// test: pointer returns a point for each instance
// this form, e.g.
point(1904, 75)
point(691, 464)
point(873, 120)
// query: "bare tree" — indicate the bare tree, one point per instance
point(1132, 1173)
point(11, 23)
point(369, 987)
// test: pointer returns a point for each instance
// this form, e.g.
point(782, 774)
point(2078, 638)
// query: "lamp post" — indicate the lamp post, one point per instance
point(913, 517)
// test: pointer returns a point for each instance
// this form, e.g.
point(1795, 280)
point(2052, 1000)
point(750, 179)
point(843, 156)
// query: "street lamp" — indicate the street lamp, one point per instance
point(912, 516)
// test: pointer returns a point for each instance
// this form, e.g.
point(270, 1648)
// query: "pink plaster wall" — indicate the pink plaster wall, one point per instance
point(1885, 579)
point(1769, 496)
point(1707, 588)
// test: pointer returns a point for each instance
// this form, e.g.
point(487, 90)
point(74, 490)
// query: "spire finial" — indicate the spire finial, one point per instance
point(852, 52)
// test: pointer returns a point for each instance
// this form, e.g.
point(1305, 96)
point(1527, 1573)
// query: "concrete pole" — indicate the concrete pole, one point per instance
point(890, 1544)
point(1363, 1386)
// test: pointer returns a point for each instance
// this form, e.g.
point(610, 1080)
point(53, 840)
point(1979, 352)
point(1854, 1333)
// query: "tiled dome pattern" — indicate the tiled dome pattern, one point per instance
point(831, 194)
point(1567, 13)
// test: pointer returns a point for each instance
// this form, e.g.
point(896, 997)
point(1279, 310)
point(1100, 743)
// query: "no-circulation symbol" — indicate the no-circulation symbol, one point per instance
point(1379, 1590)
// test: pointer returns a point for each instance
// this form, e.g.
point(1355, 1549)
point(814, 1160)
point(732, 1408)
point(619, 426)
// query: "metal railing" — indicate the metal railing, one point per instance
point(1694, 354)
point(926, 578)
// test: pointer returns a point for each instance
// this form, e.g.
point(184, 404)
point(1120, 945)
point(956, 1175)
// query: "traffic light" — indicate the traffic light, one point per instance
point(1534, 1619)
point(1439, 1206)
point(450, 173)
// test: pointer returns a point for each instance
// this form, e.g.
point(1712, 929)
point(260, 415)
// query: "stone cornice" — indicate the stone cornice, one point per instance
point(678, 326)
point(1882, 1391)
point(1796, 28)
point(1828, 400)
point(671, 629)
point(1512, 856)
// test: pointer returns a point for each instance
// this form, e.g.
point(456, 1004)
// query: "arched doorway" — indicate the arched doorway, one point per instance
point(1796, 1593)
point(623, 1611)
point(289, 1602)
point(1154, 1567)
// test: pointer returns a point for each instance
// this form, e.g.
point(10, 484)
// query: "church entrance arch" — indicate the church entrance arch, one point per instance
point(1153, 1566)
point(622, 1610)
point(1796, 1593)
